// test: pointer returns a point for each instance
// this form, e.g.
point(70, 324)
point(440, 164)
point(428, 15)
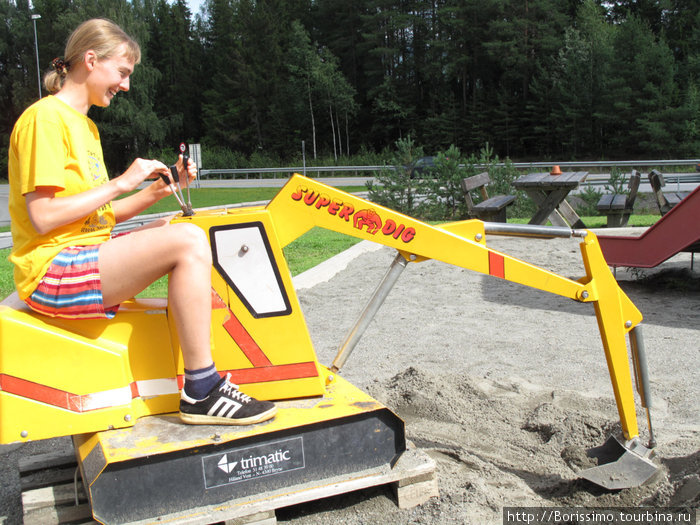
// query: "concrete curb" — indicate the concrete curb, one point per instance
point(331, 267)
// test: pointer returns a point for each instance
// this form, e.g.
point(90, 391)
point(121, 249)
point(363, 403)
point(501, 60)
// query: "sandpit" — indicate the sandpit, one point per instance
point(506, 386)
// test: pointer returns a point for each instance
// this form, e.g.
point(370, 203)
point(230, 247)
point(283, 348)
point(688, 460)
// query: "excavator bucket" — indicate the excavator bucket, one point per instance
point(626, 465)
point(620, 466)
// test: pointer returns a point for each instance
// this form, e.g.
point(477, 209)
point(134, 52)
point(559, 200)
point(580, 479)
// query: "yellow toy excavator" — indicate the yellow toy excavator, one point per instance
point(114, 384)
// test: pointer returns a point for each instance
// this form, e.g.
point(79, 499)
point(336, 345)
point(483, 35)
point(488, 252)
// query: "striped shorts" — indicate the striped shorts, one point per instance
point(71, 287)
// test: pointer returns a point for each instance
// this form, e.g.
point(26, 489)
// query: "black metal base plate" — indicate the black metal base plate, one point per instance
point(151, 487)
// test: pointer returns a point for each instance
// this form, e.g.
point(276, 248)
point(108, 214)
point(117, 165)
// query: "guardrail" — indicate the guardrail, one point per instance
point(288, 170)
point(260, 172)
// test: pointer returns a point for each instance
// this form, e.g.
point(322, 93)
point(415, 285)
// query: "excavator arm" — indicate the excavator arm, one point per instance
point(304, 203)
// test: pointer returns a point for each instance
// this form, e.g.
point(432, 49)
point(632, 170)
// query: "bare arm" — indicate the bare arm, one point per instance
point(47, 212)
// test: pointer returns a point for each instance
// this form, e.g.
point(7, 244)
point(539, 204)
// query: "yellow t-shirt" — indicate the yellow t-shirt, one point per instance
point(53, 145)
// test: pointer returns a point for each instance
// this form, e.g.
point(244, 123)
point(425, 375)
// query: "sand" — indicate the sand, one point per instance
point(504, 386)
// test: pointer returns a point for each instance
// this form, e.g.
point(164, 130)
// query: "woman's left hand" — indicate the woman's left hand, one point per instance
point(187, 173)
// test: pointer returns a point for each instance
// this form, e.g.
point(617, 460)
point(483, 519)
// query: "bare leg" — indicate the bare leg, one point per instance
point(130, 263)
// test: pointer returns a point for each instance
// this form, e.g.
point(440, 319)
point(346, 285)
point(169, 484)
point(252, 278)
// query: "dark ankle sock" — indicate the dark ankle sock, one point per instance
point(198, 383)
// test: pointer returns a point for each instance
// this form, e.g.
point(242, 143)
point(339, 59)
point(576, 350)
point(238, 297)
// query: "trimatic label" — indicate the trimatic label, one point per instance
point(245, 464)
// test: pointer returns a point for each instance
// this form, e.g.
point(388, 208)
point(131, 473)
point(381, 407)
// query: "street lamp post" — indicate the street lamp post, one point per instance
point(36, 47)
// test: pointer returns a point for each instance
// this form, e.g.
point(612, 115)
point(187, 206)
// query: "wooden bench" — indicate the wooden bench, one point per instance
point(492, 209)
point(618, 206)
point(665, 200)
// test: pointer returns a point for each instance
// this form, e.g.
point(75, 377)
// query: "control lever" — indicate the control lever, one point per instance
point(180, 201)
point(186, 210)
point(185, 161)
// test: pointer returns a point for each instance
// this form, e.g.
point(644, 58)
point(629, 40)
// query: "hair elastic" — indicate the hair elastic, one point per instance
point(60, 66)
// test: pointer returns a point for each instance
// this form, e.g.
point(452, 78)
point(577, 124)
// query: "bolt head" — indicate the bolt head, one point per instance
point(127, 418)
point(24, 433)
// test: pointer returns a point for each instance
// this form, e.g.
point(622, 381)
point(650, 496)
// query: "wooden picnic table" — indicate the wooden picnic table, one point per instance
point(549, 192)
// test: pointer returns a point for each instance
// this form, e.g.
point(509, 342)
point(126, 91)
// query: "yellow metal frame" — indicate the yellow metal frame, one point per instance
point(58, 377)
point(304, 203)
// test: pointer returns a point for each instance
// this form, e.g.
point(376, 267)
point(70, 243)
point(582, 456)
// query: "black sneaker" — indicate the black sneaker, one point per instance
point(225, 405)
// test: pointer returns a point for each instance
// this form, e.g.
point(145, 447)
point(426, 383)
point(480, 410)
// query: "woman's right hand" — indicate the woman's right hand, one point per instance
point(140, 170)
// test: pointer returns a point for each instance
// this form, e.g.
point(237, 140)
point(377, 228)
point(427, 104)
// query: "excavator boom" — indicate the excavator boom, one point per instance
point(304, 203)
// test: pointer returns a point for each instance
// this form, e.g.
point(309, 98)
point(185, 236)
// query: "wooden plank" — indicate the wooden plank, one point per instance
point(496, 203)
point(615, 220)
point(416, 493)
point(476, 181)
point(530, 179)
point(672, 198)
point(569, 214)
point(547, 203)
point(605, 202)
point(619, 202)
point(633, 186)
point(47, 478)
point(72, 514)
point(259, 518)
point(55, 495)
point(547, 182)
point(656, 180)
point(47, 460)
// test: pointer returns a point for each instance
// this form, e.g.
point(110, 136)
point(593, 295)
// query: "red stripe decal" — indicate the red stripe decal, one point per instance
point(266, 374)
point(497, 265)
point(216, 300)
point(36, 392)
point(52, 396)
point(246, 343)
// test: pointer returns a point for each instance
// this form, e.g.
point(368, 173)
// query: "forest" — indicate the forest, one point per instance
point(533, 79)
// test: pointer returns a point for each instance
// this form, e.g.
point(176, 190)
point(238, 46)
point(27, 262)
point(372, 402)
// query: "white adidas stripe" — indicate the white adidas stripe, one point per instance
point(224, 408)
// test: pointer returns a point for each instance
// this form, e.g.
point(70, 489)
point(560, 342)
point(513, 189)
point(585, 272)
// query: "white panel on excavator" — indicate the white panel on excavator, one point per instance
point(242, 255)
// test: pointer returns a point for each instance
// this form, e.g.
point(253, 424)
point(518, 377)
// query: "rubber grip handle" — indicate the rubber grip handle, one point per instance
point(175, 174)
